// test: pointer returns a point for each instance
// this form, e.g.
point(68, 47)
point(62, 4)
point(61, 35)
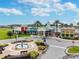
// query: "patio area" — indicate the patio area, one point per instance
point(11, 49)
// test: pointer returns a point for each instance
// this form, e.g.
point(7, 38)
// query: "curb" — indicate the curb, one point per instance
point(39, 57)
point(71, 54)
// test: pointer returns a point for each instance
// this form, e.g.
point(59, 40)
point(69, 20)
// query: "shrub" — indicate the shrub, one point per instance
point(40, 43)
point(3, 45)
point(33, 54)
point(9, 33)
point(15, 42)
point(71, 38)
point(41, 47)
point(76, 38)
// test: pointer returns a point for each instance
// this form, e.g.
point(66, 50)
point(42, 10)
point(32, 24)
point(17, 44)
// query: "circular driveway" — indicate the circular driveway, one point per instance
point(54, 53)
point(56, 48)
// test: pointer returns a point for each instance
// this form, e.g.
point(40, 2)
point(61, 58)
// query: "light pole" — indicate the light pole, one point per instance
point(56, 29)
point(16, 36)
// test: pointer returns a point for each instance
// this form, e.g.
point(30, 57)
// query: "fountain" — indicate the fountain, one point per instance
point(22, 45)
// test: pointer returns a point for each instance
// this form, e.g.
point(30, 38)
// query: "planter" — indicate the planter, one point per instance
point(20, 41)
point(44, 51)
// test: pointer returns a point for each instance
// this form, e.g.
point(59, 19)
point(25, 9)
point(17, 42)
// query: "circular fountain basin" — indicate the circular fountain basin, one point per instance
point(19, 46)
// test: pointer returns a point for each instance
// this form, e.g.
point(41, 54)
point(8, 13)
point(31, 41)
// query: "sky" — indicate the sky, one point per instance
point(29, 11)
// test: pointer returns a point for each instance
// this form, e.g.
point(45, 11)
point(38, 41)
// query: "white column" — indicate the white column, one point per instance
point(44, 33)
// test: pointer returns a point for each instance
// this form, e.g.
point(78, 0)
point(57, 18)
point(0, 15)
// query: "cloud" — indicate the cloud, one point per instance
point(33, 1)
point(41, 11)
point(72, 7)
point(55, 1)
point(9, 11)
point(55, 5)
point(39, 2)
point(61, 8)
point(58, 6)
point(76, 20)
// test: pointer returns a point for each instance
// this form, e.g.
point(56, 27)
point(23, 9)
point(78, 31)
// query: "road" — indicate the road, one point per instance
point(18, 39)
point(54, 53)
point(57, 48)
point(10, 40)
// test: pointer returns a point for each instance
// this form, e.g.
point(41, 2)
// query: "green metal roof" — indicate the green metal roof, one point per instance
point(33, 29)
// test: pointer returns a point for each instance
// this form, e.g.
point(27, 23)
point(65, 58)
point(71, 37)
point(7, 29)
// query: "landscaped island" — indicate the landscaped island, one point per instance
point(73, 49)
point(72, 52)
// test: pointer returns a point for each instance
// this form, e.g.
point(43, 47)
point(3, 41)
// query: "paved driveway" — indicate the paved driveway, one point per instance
point(54, 53)
point(57, 48)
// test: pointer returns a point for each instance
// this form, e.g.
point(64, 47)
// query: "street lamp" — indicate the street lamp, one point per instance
point(56, 29)
point(16, 36)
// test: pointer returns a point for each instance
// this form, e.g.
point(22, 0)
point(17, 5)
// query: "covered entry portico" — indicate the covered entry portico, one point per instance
point(45, 32)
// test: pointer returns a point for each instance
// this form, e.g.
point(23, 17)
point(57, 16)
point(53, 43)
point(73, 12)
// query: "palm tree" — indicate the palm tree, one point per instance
point(71, 25)
point(56, 23)
point(62, 24)
point(77, 23)
point(37, 24)
point(65, 25)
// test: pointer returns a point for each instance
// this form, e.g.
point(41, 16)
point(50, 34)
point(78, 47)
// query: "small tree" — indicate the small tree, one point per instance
point(19, 33)
point(33, 54)
point(10, 34)
point(25, 32)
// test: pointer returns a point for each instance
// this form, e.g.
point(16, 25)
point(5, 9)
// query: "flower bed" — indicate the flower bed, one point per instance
point(42, 47)
point(33, 54)
point(3, 45)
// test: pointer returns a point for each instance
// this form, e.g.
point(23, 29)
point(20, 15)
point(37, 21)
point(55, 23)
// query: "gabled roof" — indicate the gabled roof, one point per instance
point(48, 26)
point(32, 29)
point(42, 29)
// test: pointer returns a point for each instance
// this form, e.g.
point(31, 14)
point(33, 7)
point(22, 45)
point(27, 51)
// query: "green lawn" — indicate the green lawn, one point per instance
point(74, 49)
point(3, 34)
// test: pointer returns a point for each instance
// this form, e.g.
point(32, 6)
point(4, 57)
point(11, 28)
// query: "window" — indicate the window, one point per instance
point(71, 35)
point(67, 35)
point(62, 34)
